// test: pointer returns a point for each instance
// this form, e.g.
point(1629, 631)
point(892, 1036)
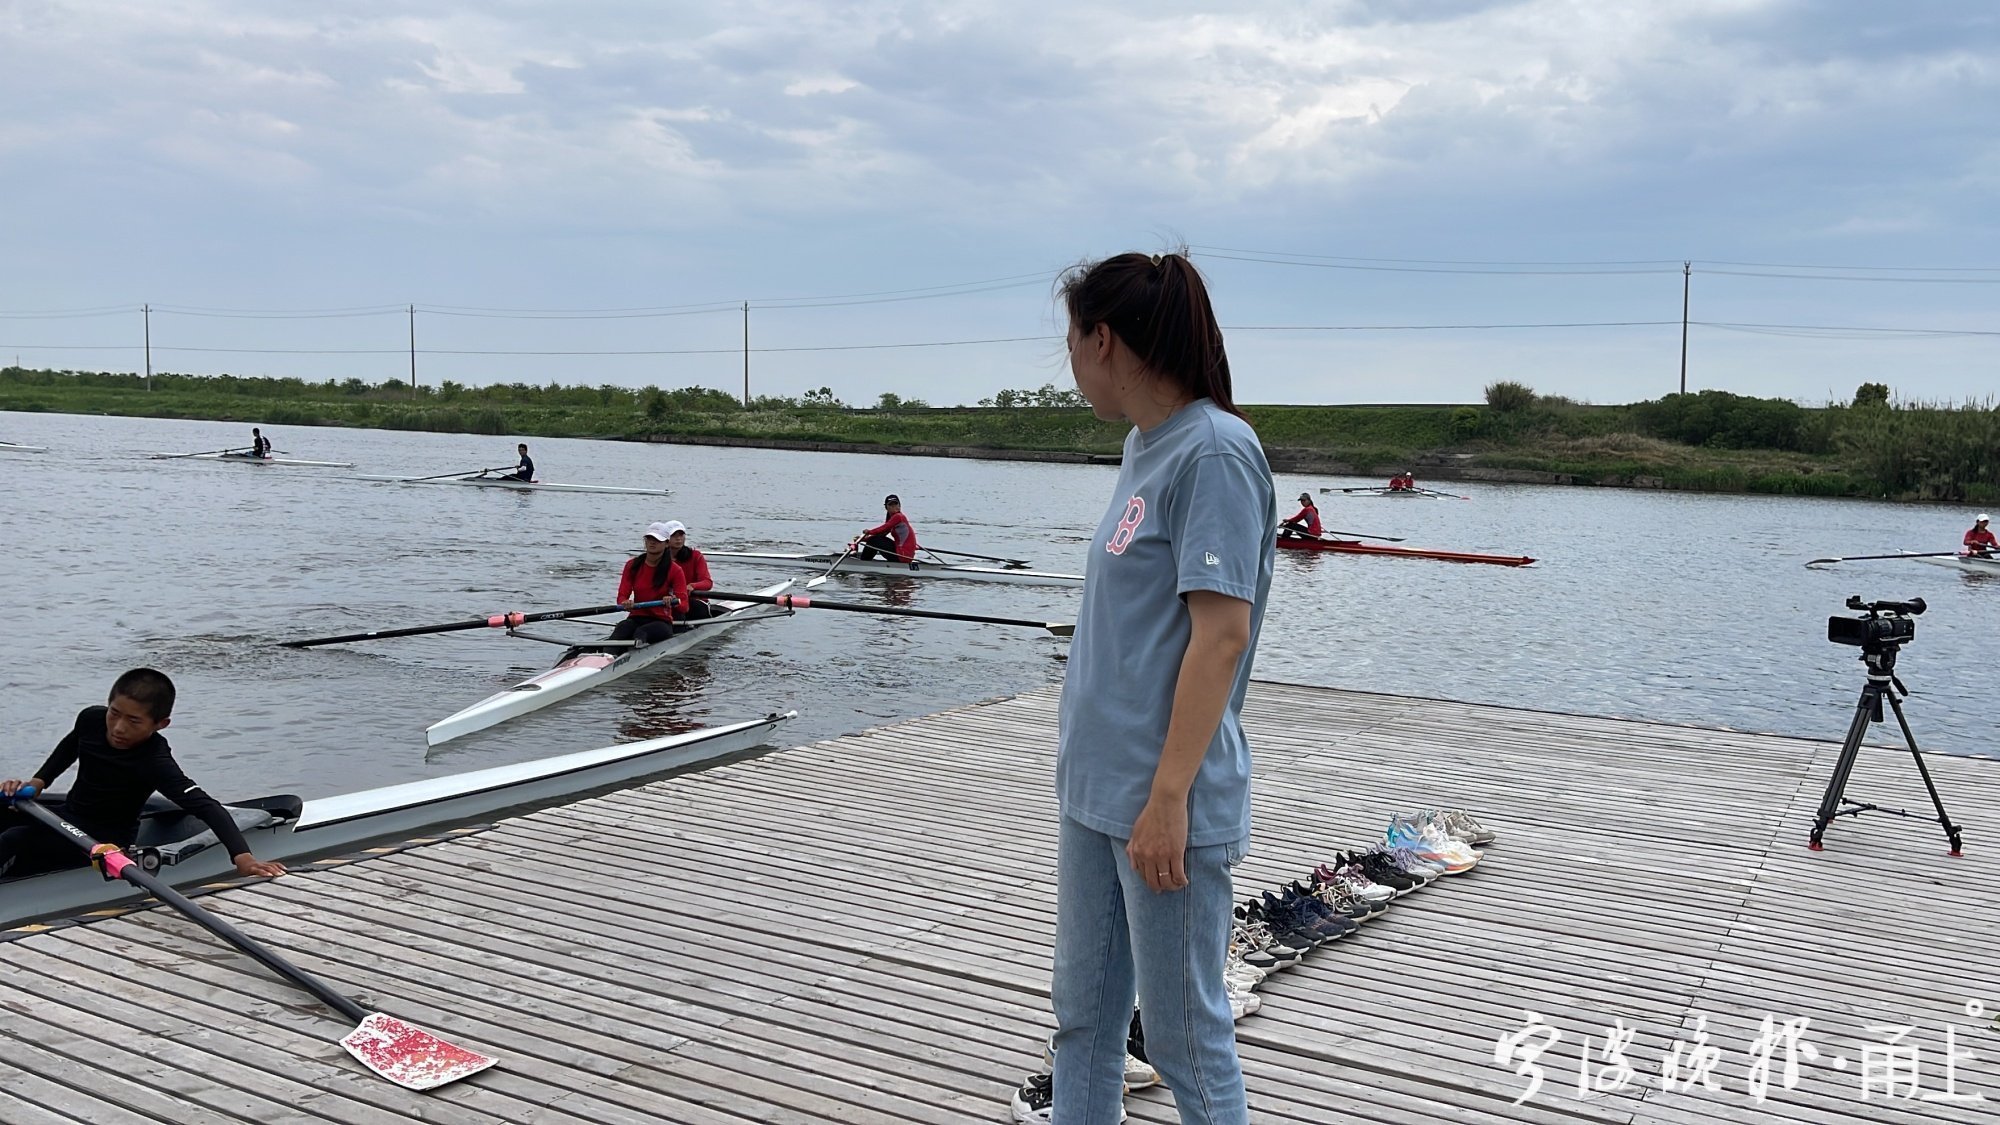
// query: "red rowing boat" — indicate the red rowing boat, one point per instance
point(1349, 547)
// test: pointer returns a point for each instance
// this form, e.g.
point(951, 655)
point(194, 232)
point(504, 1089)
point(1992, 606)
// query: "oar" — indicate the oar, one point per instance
point(402, 1052)
point(1358, 535)
point(800, 601)
point(203, 453)
point(1446, 495)
point(1904, 555)
point(493, 621)
point(813, 582)
point(441, 476)
point(969, 555)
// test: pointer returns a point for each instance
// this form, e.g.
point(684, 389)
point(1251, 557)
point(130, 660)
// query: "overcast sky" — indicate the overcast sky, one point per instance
point(599, 155)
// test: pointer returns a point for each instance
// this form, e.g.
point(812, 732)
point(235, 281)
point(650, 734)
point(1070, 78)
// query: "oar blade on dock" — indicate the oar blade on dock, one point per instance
point(410, 1056)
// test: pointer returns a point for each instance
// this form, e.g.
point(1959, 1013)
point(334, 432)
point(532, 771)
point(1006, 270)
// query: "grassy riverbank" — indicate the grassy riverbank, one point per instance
point(1709, 442)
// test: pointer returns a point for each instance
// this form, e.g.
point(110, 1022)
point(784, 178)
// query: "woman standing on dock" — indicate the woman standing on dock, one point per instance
point(1153, 773)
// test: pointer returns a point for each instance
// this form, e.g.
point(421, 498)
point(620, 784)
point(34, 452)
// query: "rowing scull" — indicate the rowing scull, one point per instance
point(1971, 564)
point(1347, 547)
point(896, 568)
point(522, 485)
point(180, 850)
point(588, 665)
point(248, 459)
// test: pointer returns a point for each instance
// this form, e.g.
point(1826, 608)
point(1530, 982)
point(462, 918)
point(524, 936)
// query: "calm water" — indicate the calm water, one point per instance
point(1678, 607)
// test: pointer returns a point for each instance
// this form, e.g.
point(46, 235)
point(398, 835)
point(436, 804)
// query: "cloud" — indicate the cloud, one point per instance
point(929, 140)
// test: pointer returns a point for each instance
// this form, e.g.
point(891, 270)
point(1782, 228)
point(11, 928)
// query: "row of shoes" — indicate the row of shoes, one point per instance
point(1276, 929)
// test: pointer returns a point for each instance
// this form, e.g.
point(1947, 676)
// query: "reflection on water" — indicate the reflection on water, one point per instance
point(1654, 605)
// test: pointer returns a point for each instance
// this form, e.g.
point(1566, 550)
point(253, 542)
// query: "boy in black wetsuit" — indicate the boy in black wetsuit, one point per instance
point(120, 761)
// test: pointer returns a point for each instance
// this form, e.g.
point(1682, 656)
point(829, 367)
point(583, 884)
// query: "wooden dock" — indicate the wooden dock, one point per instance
point(859, 931)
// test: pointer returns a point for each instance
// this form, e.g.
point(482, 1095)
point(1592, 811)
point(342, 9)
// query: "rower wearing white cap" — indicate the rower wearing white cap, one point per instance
point(694, 566)
point(1979, 541)
point(652, 577)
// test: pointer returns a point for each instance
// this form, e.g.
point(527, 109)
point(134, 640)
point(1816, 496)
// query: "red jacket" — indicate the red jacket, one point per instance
point(695, 568)
point(651, 584)
point(1978, 538)
point(898, 528)
point(1310, 514)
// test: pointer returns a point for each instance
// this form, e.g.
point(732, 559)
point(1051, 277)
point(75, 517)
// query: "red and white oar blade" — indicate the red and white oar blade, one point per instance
point(409, 1056)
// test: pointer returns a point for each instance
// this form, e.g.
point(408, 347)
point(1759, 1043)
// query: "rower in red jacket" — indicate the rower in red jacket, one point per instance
point(894, 538)
point(1979, 541)
point(1304, 523)
point(651, 577)
point(694, 567)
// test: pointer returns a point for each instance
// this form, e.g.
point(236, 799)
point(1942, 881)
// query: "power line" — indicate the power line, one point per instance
point(1325, 265)
point(1442, 327)
point(608, 314)
point(1428, 261)
point(1842, 277)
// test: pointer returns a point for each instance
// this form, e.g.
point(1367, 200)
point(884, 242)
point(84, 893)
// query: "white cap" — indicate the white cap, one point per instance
point(1981, 519)
point(664, 531)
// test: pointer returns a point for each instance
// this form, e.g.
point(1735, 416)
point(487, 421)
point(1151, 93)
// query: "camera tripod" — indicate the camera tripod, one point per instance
point(1882, 684)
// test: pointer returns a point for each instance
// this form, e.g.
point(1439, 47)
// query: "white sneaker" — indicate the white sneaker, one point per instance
point(1138, 1073)
point(1241, 977)
point(1243, 1003)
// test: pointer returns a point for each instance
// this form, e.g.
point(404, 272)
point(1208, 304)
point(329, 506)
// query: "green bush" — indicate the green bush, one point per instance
point(1723, 420)
point(1467, 423)
point(1507, 396)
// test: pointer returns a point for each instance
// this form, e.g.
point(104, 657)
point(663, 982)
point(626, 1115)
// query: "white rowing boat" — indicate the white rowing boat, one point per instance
point(10, 447)
point(247, 459)
point(590, 665)
point(1388, 493)
point(521, 485)
point(1971, 564)
point(180, 850)
point(897, 569)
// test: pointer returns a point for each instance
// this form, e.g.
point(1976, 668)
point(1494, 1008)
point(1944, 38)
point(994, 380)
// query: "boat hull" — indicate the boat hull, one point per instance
point(1386, 493)
point(331, 824)
point(246, 459)
point(1346, 547)
point(585, 670)
point(10, 447)
point(1966, 563)
point(918, 569)
point(523, 485)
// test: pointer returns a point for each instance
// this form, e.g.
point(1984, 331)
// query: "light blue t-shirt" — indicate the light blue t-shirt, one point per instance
point(1194, 510)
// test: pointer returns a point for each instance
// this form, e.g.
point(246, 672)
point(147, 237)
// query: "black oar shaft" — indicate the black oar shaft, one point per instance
point(1899, 555)
point(802, 601)
point(493, 621)
point(970, 555)
point(124, 868)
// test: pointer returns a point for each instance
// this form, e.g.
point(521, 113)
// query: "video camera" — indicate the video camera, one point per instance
point(1886, 625)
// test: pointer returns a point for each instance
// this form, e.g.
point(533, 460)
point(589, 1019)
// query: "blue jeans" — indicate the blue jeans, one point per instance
point(1115, 935)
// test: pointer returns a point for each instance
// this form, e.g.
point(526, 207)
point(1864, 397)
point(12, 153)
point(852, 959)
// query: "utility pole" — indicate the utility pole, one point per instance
point(148, 310)
point(1686, 269)
point(413, 351)
point(746, 355)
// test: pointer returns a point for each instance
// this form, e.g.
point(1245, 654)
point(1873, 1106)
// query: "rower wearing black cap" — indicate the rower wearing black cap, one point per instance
point(894, 538)
point(1304, 522)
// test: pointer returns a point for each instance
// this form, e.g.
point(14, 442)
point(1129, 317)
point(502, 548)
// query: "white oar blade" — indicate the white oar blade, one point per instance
point(409, 1056)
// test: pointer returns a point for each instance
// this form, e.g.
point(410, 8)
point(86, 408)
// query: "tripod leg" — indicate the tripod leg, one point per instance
point(1850, 749)
point(1950, 830)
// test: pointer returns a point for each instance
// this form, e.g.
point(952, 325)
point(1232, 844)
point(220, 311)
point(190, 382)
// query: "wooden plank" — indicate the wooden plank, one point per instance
point(858, 930)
